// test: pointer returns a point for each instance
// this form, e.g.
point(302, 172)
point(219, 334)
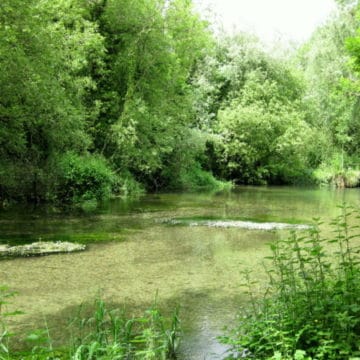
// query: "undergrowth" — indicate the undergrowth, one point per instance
point(311, 308)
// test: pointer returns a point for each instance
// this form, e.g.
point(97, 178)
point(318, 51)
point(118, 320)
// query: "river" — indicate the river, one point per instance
point(161, 243)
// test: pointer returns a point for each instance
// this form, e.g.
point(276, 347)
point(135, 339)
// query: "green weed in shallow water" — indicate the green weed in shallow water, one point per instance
point(5, 295)
point(106, 335)
point(111, 335)
point(311, 308)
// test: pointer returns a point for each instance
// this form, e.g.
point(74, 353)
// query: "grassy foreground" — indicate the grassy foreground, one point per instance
point(106, 335)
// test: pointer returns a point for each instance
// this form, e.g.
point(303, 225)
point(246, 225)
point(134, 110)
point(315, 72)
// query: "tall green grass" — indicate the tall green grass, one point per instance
point(5, 335)
point(104, 335)
point(109, 334)
point(311, 308)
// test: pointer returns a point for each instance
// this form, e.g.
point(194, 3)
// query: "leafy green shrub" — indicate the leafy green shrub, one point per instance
point(352, 178)
point(327, 175)
point(340, 171)
point(22, 182)
point(195, 179)
point(311, 309)
point(125, 185)
point(264, 144)
point(83, 178)
point(323, 175)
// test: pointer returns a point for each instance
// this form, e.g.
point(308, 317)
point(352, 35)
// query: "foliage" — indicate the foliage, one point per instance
point(110, 335)
point(260, 147)
point(42, 55)
point(146, 86)
point(195, 179)
point(126, 186)
point(107, 334)
point(253, 102)
point(331, 99)
point(83, 178)
point(334, 173)
point(146, 107)
point(187, 169)
point(104, 77)
point(5, 334)
point(310, 310)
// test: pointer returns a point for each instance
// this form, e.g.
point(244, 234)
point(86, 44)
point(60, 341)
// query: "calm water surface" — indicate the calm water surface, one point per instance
point(134, 251)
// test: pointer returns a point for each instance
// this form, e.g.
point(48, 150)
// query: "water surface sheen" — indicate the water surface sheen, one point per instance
point(138, 248)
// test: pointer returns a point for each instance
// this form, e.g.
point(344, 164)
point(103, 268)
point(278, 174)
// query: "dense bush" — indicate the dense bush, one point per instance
point(83, 177)
point(340, 171)
point(311, 308)
point(196, 179)
point(125, 185)
point(262, 145)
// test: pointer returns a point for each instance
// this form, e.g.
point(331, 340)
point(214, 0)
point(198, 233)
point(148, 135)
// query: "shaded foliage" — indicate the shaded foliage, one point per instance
point(146, 87)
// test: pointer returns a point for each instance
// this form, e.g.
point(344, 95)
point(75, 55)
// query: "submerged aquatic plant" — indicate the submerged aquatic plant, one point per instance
point(311, 308)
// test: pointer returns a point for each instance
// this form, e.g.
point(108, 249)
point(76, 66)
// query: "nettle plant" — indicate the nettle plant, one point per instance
point(311, 308)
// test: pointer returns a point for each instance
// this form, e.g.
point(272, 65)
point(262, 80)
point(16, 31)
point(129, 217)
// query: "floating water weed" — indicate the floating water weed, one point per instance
point(241, 224)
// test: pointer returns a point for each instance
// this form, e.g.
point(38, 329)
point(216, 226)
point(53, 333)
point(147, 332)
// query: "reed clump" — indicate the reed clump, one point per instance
point(107, 334)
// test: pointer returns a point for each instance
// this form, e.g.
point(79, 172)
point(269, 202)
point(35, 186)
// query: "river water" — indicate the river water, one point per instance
point(190, 249)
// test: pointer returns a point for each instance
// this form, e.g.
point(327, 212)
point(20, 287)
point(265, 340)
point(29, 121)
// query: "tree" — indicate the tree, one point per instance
point(253, 102)
point(44, 51)
point(152, 47)
point(325, 64)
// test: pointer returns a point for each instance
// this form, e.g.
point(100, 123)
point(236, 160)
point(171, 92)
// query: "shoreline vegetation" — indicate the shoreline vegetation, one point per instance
point(339, 179)
point(117, 98)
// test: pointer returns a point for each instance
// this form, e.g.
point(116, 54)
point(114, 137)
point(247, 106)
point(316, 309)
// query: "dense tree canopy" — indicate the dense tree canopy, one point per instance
point(144, 94)
point(44, 51)
point(259, 118)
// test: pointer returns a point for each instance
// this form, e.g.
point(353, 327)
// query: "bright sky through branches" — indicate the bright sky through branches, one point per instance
point(271, 20)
